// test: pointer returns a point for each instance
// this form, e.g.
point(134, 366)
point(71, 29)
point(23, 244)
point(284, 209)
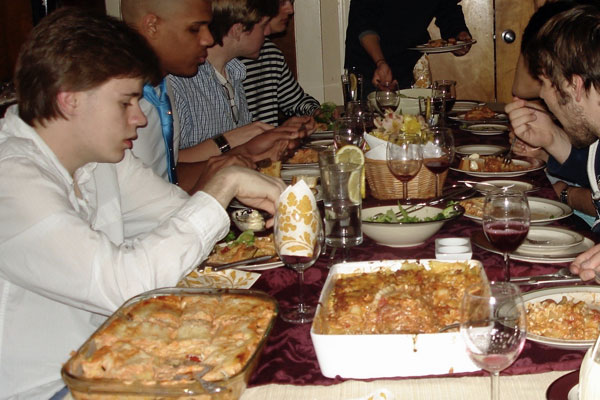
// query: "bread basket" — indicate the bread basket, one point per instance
point(385, 186)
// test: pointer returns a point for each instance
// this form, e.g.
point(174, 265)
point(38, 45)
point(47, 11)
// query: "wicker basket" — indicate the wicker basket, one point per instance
point(385, 186)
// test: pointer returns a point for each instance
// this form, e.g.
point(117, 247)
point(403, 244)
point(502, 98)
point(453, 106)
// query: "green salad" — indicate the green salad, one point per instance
point(391, 217)
point(246, 237)
point(326, 114)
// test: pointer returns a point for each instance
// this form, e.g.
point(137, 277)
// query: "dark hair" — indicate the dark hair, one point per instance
point(76, 50)
point(567, 44)
point(227, 13)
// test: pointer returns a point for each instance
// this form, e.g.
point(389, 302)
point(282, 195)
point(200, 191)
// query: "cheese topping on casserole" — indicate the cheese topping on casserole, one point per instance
point(179, 338)
point(567, 319)
point(410, 300)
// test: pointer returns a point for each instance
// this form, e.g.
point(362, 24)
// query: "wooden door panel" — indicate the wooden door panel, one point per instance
point(513, 15)
point(474, 72)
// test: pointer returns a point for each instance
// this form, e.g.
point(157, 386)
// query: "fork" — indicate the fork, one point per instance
point(508, 157)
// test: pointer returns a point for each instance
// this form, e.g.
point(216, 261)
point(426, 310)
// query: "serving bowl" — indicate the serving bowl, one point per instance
point(404, 234)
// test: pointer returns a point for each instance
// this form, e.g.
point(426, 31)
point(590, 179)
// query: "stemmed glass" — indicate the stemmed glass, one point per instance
point(301, 313)
point(493, 326)
point(387, 96)
point(404, 155)
point(349, 130)
point(506, 219)
point(438, 152)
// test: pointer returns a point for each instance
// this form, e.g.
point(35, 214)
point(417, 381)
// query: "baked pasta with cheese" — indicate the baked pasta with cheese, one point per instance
point(407, 301)
point(567, 319)
point(178, 339)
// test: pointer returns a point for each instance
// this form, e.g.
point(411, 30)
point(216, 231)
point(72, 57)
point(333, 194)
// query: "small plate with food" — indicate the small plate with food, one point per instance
point(443, 45)
point(480, 115)
point(246, 246)
point(303, 158)
point(487, 129)
point(493, 166)
point(543, 211)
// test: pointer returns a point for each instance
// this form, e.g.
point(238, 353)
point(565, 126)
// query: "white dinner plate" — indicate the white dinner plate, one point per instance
point(563, 256)
point(466, 105)
point(543, 211)
point(481, 149)
point(322, 135)
point(486, 129)
point(287, 174)
point(587, 294)
point(319, 143)
point(532, 164)
point(485, 187)
point(300, 166)
point(547, 239)
point(425, 48)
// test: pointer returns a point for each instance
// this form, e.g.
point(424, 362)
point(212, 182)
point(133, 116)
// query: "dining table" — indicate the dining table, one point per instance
point(288, 367)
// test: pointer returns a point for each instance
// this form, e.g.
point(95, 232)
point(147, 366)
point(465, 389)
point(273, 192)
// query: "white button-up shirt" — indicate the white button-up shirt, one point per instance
point(65, 261)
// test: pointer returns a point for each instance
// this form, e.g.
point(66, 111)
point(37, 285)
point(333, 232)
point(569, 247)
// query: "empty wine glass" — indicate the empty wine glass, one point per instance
point(387, 96)
point(301, 313)
point(404, 155)
point(493, 326)
point(438, 152)
point(506, 218)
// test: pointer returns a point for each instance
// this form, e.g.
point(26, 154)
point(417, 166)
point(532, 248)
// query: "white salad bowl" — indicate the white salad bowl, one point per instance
point(404, 234)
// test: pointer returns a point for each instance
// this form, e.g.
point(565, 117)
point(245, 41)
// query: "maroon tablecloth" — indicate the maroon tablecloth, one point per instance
point(289, 356)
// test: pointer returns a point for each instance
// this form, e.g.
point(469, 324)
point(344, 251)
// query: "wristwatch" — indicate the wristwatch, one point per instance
point(564, 195)
point(222, 144)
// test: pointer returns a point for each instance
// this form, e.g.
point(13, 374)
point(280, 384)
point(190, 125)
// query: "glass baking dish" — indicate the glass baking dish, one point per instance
point(102, 388)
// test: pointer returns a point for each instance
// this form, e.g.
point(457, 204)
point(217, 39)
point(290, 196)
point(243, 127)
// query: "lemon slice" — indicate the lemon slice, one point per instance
point(353, 155)
point(353, 83)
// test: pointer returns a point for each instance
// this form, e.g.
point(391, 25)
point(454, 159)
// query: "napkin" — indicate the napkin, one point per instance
point(589, 385)
point(297, 221)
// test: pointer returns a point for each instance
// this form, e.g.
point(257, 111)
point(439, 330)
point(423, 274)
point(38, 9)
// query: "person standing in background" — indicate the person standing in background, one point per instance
point(381, 31)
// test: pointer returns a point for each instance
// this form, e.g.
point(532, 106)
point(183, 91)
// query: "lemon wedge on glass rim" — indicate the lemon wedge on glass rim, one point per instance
point(353, 155)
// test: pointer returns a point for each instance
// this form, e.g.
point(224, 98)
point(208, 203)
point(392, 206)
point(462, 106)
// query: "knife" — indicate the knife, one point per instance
point(242, 262)
point(541, 281)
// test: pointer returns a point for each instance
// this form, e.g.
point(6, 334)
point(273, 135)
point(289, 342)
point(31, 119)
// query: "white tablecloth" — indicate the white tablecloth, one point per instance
point(530, 387)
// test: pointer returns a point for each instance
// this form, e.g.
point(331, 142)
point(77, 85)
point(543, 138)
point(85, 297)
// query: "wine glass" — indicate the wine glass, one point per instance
point(506, 219)
point(493, 326)
point(301, 313)
point(349, 130)
point(404, 155)
point(387, 96)
point(445, 89)
point(438, 152)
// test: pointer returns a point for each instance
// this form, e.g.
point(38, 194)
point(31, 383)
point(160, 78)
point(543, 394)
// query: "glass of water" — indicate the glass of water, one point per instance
point(342, 200)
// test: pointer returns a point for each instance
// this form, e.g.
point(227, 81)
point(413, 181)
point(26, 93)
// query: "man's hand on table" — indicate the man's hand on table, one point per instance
point(194, 176)
point(306, 125)
point(250, 187)
point(272, 144)
point(587, 263)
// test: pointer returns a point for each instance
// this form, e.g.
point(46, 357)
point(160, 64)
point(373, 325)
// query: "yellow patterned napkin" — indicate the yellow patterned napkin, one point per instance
point(226, 279)
point(297, 222)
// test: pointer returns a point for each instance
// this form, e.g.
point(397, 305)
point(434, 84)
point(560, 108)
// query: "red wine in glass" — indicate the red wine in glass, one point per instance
point(437, 165)
point(506, 236)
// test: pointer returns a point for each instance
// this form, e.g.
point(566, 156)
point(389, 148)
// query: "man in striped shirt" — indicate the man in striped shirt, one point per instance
point(269, 84)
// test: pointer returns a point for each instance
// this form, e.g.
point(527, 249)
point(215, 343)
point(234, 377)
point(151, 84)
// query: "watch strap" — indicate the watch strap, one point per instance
point(222, 143)
point(564, 195)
